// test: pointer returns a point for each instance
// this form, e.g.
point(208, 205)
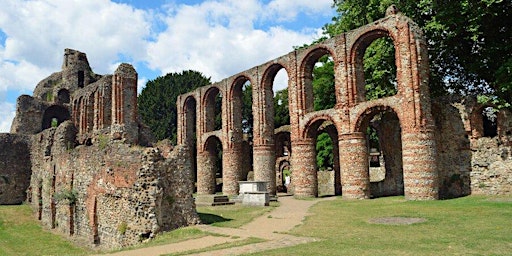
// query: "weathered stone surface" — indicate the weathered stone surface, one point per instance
point(74, 150)
point(430, 151)
point(15, 168)
point(122, 194)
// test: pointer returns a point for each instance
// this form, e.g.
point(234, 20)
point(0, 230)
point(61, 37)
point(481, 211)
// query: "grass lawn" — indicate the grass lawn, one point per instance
point(20, 234)
point(471, 225)
point(231, 216)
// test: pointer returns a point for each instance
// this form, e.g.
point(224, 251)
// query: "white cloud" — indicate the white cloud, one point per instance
point(7, 112)
point(219, 39)
point(39, 31)
point(216, 37)
point(286, 10)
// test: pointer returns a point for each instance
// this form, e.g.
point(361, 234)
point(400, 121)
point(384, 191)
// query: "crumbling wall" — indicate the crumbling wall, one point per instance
point(14, 168)
point(469, 163)
point(109, 193)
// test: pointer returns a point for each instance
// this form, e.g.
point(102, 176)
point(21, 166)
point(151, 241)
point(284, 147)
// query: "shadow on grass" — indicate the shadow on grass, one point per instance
point(207, 218)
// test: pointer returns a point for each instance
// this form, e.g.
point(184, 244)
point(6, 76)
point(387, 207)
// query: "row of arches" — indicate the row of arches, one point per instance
point(91, 111)
point(214, 113)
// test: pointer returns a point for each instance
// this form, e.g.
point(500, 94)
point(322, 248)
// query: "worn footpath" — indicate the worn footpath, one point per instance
point(270, 226)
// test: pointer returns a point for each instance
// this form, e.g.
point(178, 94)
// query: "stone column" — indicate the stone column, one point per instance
point(419, 164)
point(304, 173)
point(205, 174)
point(354, 165)
point(231, 169)
point(264, 163)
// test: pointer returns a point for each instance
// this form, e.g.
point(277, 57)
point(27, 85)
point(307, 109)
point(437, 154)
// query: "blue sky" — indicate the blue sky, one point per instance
point(216, 37)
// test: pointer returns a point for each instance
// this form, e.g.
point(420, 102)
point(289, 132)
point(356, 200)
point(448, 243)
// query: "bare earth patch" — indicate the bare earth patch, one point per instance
point(396, 220)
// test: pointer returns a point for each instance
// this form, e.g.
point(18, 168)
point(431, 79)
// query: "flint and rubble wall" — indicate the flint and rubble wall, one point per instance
point(14, 168)
point(110, 194)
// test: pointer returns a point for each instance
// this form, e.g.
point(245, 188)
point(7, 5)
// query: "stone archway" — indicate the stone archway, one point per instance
point(383, 139)
point(210, 173)
point(53, 116)
point(411, 105)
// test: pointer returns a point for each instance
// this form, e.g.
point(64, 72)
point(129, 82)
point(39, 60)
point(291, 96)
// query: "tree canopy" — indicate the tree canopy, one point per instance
point(157, 101)
point(469, 42)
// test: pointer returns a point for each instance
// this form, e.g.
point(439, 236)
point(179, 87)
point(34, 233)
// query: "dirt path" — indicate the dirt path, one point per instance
point(270, 226)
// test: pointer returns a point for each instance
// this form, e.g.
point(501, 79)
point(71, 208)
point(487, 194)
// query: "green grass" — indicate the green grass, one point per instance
point(464, 226)
point(231, 216)
point(21, 234)
point(473, 225)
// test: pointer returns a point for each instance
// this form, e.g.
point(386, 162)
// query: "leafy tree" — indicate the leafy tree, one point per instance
point(281, 113)
point(323, 84)
point(324, 149)
point(469, 41)
point(247, 117)
point(157, 101)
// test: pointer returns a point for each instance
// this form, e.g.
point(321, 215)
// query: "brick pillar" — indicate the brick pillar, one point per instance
point(419, 164)
point(231, 169)
point(304, 174)
point(205, 174)
point(124, 103)
point(354, 165)
point(264, 163)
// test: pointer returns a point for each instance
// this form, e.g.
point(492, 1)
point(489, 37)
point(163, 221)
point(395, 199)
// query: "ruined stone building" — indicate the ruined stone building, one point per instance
point(79, 156)
point(76, 153)
point(430, 149)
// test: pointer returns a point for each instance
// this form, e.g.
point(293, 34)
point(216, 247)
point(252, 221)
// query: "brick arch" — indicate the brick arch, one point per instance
point(207, 174)
point(189, 105)
point(356, 56)
point(208, 106)
point(312, 125)
point(235, 99)
point(307, 65)
point(237, 84)
point(208, 141)
point(270, 73)
point(365, 116)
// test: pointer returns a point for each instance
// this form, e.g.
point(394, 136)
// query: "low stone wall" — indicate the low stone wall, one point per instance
point(325, 183)
point(109, 193)
point(14, 168)
point(491, 165)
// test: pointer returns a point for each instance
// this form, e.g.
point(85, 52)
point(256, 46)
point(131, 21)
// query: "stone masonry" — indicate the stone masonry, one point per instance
point(79, 156)
point(425, 156)
point(350, 116)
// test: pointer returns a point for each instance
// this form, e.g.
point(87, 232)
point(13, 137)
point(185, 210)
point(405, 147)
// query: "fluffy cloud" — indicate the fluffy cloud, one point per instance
point(220, 39)
point(216, 37)
point(7, 111)
point(38, 31)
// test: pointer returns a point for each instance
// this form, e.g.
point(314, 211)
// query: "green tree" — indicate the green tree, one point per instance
point(281, 113)
point(247, 117)
point(157, 101)
point(324, 149)
point(469, 41)
point(323, 84)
